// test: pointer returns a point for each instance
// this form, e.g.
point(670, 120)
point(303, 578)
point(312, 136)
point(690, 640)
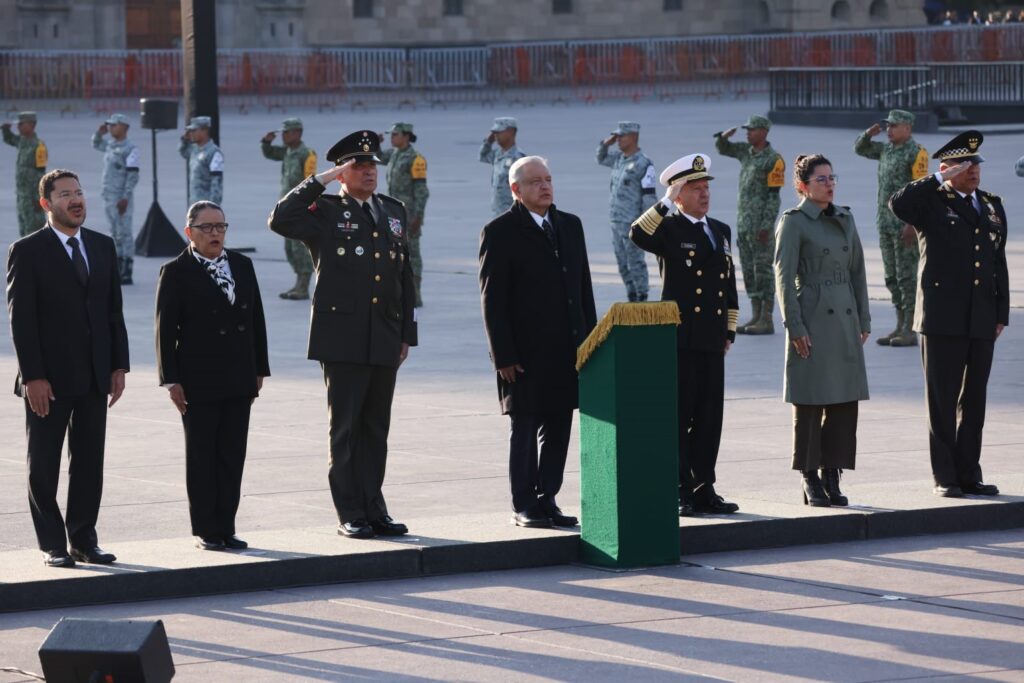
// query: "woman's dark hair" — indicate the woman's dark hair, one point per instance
point(194, 210)
point(803, 168)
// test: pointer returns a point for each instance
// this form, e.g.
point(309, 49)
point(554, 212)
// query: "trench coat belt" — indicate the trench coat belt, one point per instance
point(826, 278)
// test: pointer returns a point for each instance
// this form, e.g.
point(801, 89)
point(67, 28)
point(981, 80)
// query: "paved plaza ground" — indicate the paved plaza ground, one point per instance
point(447, 466)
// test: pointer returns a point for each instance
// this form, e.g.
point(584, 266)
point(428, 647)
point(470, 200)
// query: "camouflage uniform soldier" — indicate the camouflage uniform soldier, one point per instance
point(503, 131)
point(29, 168)
point(900, 161)
point(407, 182)
point(120, 176)
point(297, 163)
point(632, 193)
point(762, 174)
point(205, 162)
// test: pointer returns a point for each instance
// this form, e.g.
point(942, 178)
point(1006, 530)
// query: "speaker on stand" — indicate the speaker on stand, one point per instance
point(158, 236)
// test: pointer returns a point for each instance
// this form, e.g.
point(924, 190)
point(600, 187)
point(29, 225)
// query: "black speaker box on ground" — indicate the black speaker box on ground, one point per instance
point(128, 651)
point(159, 114)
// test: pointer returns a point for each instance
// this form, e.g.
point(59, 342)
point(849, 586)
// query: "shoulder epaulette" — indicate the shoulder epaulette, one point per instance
point(988, 194)
point(391, 199)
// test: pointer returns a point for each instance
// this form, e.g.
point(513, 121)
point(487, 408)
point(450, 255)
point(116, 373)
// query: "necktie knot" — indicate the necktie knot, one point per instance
point(549, 231)
point(72, 242)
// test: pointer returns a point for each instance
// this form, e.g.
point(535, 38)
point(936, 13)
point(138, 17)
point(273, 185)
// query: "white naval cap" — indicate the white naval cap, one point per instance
point(690, 167)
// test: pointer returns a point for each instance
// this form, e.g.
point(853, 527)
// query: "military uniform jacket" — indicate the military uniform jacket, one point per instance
point(538, 307)
point(701, 279)
point(296, 163)
point(897, 166)
point(407, 179)
point(632, 183)
point(762, 174)
point(363, 301)
point(120, 166)
point(205, 171)
point(963, 285)
point(30, 165)
point(214, 349)
point(501, 161)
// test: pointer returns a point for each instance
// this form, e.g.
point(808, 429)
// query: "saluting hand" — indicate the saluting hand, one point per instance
point(874, 130)
point(728, 133)
point(954, 171)
point(331, 174)
point(39, 394)
point(803, 346)
point(269, 137)
point(672, 193)
point(610, 139)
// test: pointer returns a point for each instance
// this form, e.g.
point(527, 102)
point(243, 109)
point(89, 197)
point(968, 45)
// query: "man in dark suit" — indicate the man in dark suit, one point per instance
point(695, 259)
point(538, 307)
point(211, 349)
point(963, 303)
point(64, 303)
point(363, 322)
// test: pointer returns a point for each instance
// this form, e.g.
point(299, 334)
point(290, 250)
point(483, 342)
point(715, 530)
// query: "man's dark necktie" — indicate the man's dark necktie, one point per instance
point(369, 213)
point(78, 261)
point(707, 233)
point(549, 231)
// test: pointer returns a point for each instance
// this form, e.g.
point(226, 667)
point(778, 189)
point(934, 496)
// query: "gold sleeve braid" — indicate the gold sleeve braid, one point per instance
point(734, 315)
point(650, 219)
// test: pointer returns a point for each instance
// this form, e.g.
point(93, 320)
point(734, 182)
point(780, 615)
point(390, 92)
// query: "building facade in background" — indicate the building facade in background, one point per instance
point(156, 24)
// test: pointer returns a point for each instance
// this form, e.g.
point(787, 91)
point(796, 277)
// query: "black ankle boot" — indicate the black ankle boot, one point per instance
point(830, 481)
point(814, 494)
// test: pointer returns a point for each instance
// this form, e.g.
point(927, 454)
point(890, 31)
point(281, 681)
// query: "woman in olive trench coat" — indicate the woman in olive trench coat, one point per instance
point(822, 289)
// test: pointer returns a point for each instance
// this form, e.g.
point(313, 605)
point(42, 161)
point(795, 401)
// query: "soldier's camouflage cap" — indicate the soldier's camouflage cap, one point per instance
point(626, 127)
point(688, 168)
point(899, 116)
point(117, 118)
point(401, 127)
point(363, 145)
point(504, 123)
point(963, 147)
point(199, 122)
point(291, 124)
point(29, 116)
point(758, 122)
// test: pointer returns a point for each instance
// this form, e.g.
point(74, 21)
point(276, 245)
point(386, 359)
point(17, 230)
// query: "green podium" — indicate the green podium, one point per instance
point(629, 473)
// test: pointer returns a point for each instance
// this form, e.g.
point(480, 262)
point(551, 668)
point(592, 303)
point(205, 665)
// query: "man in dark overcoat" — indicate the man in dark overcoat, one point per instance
point(538, 307)
point(963, 303)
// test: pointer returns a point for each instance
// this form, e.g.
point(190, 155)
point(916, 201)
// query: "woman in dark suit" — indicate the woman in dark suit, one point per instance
point(211, 347)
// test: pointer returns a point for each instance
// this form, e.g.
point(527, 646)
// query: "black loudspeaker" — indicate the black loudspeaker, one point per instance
point(83, 650)
point(159, 114)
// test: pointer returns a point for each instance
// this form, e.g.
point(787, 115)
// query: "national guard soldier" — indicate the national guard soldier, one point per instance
point(407, 182)
point(963, 304)
point(632, 192)
point(503, 132)
point(363, 319)
point(762, 174)
point(29, 169)
point(205, 162)
point(297, 162)
point(695, 257)
point(900, 160)
point(120, 176)
point(1019, 168)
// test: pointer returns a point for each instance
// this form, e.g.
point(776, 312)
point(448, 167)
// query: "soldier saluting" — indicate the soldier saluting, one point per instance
point(963, 303)
point(362, 324)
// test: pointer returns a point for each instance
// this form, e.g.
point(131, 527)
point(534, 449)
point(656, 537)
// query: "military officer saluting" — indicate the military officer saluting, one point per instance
point(205, 162)
point(362, 324)
point(963, 303)
point(631, 192)
point(900, 160)
point(120, 176)
point(407, 182)
point(695, 257)
point(297, 162)
point(29, 169)
point(500, 151)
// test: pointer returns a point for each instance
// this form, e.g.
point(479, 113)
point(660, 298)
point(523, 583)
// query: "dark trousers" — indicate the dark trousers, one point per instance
point(701, 395)
point(956, 371)
point(359, 404)
point(825, 436)
point(84, 420)
point(535, 472)
point(216, 434)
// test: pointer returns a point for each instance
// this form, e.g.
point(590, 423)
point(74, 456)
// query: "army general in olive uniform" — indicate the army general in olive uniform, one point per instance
point(362, 324)
point(297, 162)
point(407, 182)
point(29, 168)
point(762, 174)
point(900, 160)
point(963, 303)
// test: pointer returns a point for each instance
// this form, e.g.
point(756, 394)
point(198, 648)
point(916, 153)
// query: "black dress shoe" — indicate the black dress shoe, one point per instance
point(814, 492)
point(385, 526)
point(708, 502)
point(205, 543)
point(952, 491)
point(979, 488)
point(93, 556)
point(57, 558)
point(556, 516)
point(686, 509)
point(357, 528)
point(235, 543)
point(533, 518)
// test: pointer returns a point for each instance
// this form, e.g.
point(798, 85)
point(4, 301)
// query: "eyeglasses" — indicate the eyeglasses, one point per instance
point(826, 179)
point(65, 195)
point(207, 228)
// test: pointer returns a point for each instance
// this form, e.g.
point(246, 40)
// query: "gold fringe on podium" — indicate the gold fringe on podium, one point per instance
point(644, 313)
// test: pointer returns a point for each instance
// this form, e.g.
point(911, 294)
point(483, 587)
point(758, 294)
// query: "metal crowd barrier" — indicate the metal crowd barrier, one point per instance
point(592, 66)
